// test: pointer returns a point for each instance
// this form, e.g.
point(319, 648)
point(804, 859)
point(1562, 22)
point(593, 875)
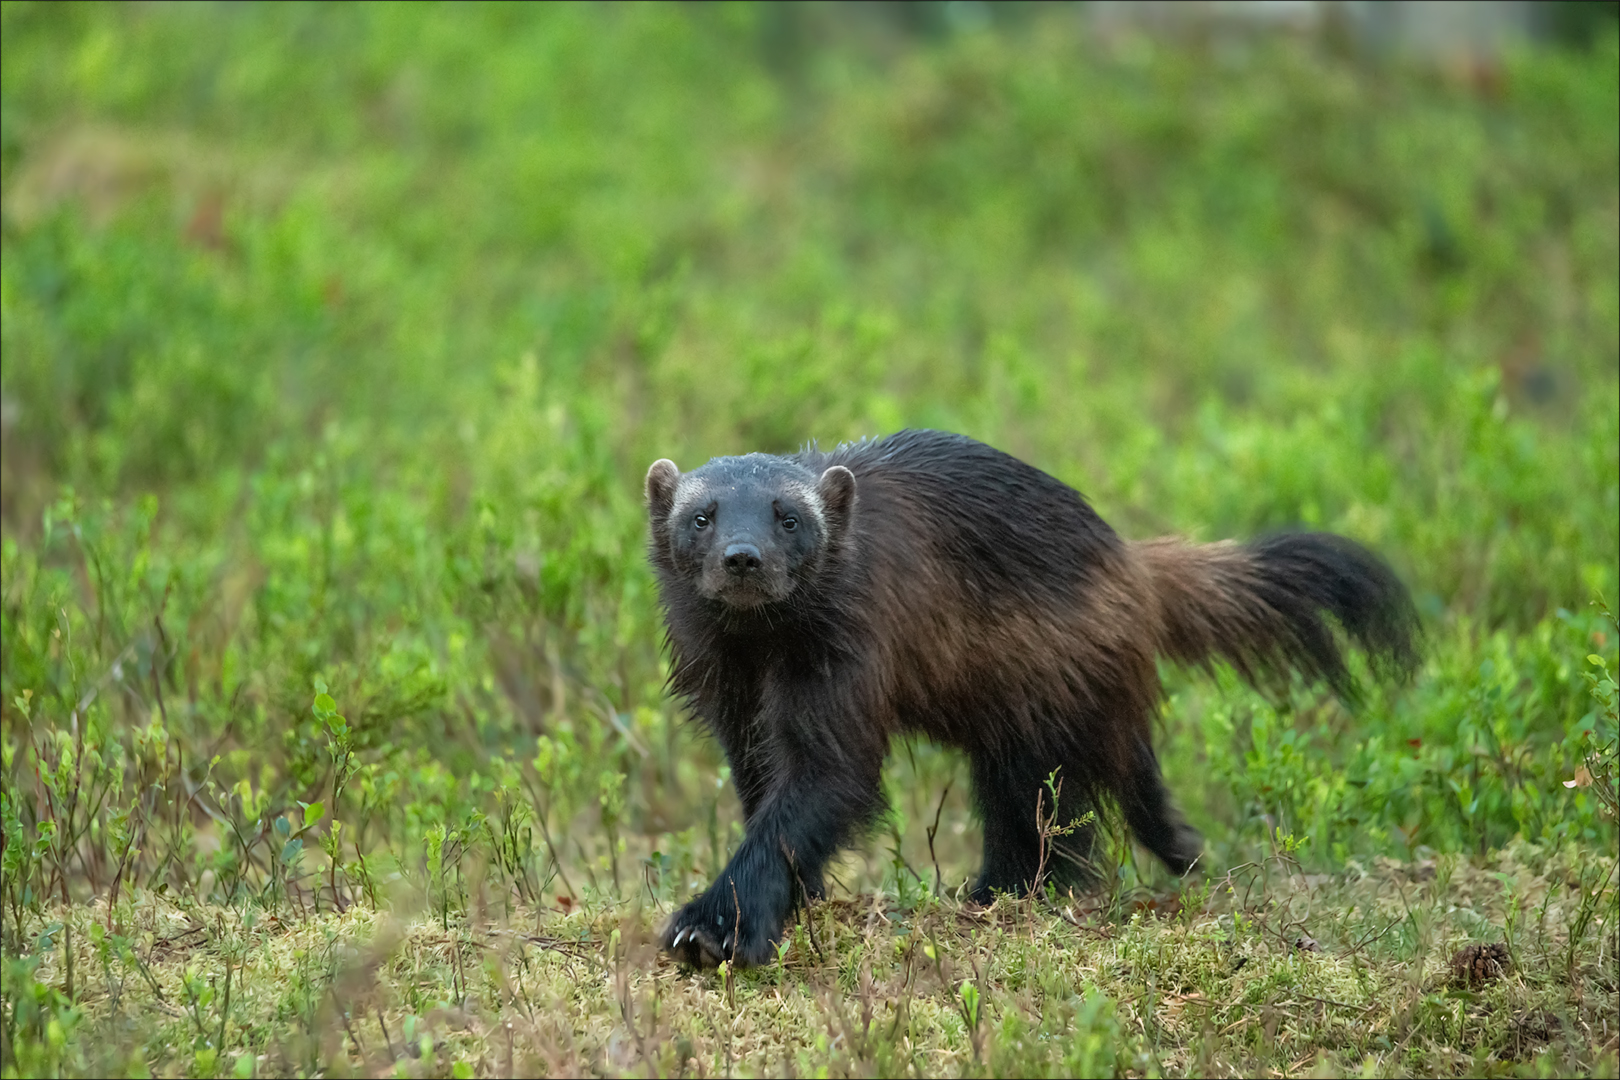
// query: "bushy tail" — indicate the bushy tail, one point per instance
point(1264, 606)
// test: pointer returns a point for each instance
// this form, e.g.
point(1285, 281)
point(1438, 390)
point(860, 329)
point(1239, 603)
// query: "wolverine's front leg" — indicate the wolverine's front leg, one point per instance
point(740, 916)
point(750, 767)
point(824, 786)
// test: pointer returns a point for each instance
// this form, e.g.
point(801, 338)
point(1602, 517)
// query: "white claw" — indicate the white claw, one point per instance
point(680, 937)
point(727, 946)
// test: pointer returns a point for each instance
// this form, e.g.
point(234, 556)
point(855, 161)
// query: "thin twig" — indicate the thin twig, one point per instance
point(933, 830)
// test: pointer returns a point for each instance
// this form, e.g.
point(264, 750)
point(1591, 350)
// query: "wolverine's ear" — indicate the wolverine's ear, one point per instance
point(837, 490)
point(661, 481)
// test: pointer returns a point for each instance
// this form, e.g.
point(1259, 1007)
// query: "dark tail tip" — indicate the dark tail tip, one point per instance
point(1304, 575)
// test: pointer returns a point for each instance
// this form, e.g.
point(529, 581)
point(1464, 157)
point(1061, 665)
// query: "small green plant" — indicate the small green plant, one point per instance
point(1600, 758)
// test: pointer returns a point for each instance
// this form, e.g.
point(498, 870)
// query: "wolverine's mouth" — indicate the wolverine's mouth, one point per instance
point(742, 593)
point(743, 599)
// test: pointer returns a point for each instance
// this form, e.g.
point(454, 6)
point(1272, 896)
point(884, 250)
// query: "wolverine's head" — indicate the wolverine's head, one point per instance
point(747, 530)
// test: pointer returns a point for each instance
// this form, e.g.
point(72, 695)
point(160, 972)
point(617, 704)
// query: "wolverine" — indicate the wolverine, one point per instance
point(822, 603)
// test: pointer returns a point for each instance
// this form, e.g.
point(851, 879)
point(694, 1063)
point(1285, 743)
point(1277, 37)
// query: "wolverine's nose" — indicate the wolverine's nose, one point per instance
point(743, 559)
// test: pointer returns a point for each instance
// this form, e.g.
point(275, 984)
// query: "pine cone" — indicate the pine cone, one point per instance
point(1476, 965)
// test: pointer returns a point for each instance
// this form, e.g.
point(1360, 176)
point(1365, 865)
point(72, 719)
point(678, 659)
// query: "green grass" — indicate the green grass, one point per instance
point(336, 341)
point(1325, 976)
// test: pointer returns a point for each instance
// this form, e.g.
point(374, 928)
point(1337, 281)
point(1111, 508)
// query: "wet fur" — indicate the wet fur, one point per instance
point(957, 593)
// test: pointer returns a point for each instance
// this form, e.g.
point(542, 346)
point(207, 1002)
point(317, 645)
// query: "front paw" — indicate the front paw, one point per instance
point(709, 930)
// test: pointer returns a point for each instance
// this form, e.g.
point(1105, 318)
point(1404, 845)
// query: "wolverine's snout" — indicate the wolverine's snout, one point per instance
point(744, 573)
point(742, 559)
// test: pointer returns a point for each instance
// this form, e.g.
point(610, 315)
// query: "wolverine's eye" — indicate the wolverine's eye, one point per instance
point(790, 523)
point(701, 521)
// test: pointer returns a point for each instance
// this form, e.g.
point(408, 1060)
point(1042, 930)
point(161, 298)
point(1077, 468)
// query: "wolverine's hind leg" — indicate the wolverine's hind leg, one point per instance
point(1009, 789)
point(1152, 815)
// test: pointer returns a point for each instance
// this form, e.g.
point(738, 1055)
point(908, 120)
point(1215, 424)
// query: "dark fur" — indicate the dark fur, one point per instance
point(952, 591)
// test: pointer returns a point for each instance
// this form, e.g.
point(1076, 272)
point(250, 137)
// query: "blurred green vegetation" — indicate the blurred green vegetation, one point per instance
point(337, 340)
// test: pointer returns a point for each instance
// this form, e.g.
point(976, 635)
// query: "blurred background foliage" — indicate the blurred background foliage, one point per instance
point(337, 340)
